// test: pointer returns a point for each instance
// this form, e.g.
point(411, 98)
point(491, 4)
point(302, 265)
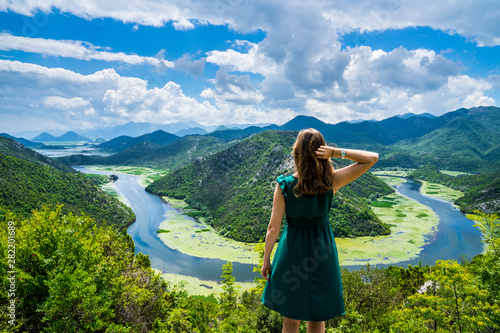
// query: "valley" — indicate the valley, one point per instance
point(414, 226)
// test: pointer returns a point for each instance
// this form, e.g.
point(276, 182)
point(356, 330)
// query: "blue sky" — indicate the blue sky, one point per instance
point(80, 66)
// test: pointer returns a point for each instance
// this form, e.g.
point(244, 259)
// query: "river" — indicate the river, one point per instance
point(150, 211)
point(454, 237)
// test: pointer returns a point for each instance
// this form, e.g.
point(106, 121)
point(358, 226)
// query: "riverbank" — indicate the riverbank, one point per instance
point(439, 191)
point(195, 286)
point(146, 175)
point(411, 226)
point(198, 239)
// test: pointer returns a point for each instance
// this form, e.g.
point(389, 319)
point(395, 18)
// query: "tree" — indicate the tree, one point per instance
point(73, 276)
point(489, 225)
point(229, 296)
point(452, 301)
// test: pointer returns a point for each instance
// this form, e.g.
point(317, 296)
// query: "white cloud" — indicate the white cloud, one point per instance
point(73, 49)
point(60, 98)
point(458, 92)
point(193, 67)
point(73, 105)
point(365, 15)
point(158, 105)
point(254, 61)
point(301, 62)
point(233, 89)
point(451, 16)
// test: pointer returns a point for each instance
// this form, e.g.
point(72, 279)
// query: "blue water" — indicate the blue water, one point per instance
point(455, 237)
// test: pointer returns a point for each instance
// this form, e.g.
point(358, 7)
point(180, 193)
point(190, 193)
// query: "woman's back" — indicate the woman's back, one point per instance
point(306, 208)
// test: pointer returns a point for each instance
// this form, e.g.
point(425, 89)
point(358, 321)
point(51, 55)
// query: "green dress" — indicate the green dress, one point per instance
point(305, 282)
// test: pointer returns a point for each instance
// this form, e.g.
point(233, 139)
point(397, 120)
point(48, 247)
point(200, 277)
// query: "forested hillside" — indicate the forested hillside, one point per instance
point(11, 147)
point(235, 187)
point(467, 141)
point(24, 142)
point(482, 192)
point(26, 186)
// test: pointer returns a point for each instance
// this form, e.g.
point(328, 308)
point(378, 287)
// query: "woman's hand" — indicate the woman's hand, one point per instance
point(266, 270)
point(324, 152)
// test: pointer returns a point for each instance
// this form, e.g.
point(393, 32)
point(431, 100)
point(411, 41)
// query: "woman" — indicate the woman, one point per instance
point(304, 282)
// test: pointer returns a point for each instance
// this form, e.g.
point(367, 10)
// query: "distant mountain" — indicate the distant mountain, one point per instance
point(409, 115)
point(227, 128)
point(235, 188)
point(117, 143)
point(382, 132)
point(356, 121)
point(301, 122)
point(240, 134)
point(134, 129)
point(69, 136)
point(72, 136)
point(123, 142)
point(34, 133)
point(44, 137)
point(191, 131)
point(13, 148)
point(24, 142)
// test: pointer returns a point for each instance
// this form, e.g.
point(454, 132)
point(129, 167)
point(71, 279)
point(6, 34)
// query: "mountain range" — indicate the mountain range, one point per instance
point(462, 140)
point(229, 173)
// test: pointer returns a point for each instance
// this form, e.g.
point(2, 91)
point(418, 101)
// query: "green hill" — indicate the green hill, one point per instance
point(123, 142)
point(11, 147)
point(27, 186)
point(235, 187)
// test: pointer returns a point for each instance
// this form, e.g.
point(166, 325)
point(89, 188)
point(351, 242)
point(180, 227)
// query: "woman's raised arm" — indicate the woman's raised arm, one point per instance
point(364, 161)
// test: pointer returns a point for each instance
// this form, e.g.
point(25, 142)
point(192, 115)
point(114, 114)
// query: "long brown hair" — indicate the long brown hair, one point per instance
point(314, 175)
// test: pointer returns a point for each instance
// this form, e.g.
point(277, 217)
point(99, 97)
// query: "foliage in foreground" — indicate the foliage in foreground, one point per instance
point(73, 276)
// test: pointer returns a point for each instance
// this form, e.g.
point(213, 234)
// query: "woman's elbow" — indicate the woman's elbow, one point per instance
point(272, 230)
